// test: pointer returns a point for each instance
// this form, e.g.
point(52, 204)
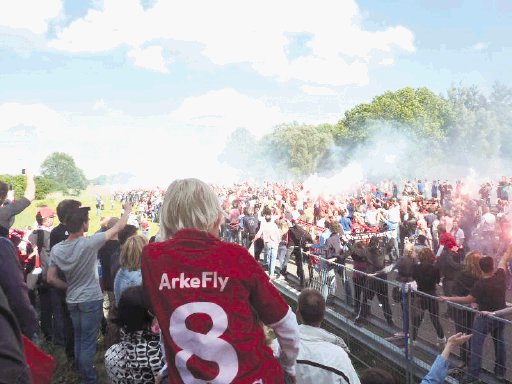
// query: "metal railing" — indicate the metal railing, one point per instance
point(394, 332)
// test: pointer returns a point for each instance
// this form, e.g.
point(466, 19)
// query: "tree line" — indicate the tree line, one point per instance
point(465, 127)
point(58, 173)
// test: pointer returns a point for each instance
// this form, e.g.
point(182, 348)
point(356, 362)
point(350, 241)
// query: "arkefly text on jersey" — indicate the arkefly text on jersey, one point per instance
point(207, 280)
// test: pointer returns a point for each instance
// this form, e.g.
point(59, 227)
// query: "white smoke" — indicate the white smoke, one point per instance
point(345, 182)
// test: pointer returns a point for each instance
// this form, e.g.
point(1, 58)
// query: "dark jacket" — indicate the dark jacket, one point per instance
point(464, 282)
point(106, 255)
point(15, 288)
point(427, 276)
point(298, 237)
point(58, 234)
point(404, 267)
point(376, 260)
point(358, 254)
point(447, 265)
point(13, 368)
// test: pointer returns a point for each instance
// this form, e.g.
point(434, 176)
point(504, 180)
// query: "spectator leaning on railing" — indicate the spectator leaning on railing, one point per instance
point(437, 373)
point(489, 294)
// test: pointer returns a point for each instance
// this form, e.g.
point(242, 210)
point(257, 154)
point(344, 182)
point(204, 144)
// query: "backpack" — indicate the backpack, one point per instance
point(251, 224)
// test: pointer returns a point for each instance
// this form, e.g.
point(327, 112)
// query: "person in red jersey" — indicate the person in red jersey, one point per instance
point(210, 297)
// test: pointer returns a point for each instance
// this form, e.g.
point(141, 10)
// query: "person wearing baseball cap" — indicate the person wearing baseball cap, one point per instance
point(448, 263)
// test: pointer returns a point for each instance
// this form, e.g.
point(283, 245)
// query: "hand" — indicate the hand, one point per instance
point(486, 313)
point(442, 299)
point(127, 207)
point(458, 339)
point(105, 221)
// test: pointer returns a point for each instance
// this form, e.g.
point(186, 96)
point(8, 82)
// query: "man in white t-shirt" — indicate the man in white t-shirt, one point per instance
point(77, 257)
point(488, 221)
point(458, 233)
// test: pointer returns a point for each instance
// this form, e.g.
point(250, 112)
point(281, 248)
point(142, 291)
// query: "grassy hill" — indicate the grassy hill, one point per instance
point(88, 199)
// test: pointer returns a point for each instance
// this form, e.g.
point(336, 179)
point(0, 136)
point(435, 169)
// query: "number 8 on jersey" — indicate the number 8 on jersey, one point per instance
point(207, 346)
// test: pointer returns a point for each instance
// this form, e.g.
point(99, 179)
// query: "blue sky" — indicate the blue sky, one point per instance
point(155, 87)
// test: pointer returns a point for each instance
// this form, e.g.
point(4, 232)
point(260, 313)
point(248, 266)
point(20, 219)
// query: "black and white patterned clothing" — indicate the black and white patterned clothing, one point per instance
point(137, 359)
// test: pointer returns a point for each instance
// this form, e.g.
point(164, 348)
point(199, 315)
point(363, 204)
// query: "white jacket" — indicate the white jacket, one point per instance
point(323, 358)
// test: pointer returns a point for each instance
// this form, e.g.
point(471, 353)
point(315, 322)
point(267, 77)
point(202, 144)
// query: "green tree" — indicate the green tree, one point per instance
point(62, 170)
point(44, 185)
point(474, 130)
point(240, 148)
point(500, 101)
point(296, 149)
point(418, 110)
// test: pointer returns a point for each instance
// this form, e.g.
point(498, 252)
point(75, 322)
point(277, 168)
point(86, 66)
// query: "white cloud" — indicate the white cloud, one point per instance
point(44, 119)
point(387, 61)
point(480, 46)
point(183, 143)
point(99, 105)
point(150, 58)
point(32, 15)
point(230, 32)
point(318, 91)
point(222, 111)
point(29, 132)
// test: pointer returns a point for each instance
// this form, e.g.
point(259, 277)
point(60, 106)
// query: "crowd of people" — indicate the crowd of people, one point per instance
point(196, 302)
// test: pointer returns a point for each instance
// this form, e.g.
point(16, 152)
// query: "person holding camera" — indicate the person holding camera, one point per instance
point(9, 209)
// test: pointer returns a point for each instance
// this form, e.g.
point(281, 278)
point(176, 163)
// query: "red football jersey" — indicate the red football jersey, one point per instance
point(208, 296)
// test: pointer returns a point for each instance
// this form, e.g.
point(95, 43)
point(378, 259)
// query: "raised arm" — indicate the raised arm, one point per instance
point(506, 258)
point(30, 190)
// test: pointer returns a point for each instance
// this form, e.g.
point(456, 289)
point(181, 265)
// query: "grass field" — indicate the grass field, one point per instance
point(88, 199)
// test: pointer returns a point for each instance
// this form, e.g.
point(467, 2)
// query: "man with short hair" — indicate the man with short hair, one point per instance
point(323, 357)
point(60, 308)
point(60, 232)
point(271, 236)
point(489, 294)
point(77, 258)
point(458, 234)
point(297, 239)
point(487, 228)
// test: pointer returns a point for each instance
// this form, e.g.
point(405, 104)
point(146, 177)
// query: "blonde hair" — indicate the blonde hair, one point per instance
point(472, 264)
point(283, 226)
point(409, 250)
point(189, 203)
point(131, 252)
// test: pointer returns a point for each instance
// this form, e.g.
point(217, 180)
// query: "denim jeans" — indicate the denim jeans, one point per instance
point(86, 319)
point(281, 256)
point(270, 258)
point(483, 325)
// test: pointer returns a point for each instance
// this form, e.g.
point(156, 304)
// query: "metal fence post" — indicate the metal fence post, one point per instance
point(408, 324)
